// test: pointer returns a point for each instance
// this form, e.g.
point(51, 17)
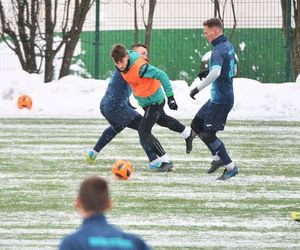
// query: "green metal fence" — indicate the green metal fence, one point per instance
point(177, 43)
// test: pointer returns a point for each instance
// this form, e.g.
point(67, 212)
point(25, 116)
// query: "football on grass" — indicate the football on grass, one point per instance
point(122, 169)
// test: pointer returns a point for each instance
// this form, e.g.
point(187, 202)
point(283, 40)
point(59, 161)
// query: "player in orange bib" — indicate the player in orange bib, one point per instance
point(150, 85)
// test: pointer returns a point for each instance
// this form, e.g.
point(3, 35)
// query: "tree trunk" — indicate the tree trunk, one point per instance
point(68, 54)
point(27, 42)
point(71, 38)
point(296, 40)
point(217, 11)
point(49, 39)
point(152, 4)
point(136, 28)
point(23, 37)
point(295, 35)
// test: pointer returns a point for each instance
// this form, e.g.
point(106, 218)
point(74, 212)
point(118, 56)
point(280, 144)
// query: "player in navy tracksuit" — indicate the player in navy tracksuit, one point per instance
point(116, 108)
point(95, 232)
point(212, 116)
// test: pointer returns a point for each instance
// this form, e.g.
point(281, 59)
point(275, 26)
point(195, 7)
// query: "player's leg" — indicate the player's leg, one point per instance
point(173, 124)
point(111, 115)
point(197, 126)
point(108, 134)
point(150, 117)
point(154, 160)
point(119, 118)
point(215, 120)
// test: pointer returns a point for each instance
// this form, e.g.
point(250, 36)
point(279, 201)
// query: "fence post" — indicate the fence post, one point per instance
point(288, 71)
point(97, 40)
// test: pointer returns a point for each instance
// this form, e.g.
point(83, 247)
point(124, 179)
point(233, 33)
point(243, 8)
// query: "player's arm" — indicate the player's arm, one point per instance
point(150, 71)
point(216, 60)
point(211, 77)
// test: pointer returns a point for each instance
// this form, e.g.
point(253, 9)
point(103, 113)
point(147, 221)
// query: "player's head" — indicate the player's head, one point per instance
point(120, 56)
point(142, 49)
point(212, 28)
point(93, 196)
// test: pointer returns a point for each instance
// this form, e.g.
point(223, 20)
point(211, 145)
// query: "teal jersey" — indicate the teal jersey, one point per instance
point(149, 71)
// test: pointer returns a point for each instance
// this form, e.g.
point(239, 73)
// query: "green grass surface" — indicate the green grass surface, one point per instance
point(42, 165)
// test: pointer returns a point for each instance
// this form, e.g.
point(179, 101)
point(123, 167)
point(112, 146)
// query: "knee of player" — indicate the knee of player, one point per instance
point(142, 132)
point(198, 128)
point(207, 136)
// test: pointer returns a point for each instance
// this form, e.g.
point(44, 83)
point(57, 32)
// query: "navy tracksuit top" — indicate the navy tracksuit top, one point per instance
point(95, 234)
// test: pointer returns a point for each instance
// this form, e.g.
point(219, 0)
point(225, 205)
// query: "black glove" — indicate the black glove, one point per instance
point(203, 73)
point(172, 103)
point(129, 104)
point(194, 92)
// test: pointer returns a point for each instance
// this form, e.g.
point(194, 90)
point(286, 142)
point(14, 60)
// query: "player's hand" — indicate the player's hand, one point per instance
point(203, 74)
point(172, 103)
point(194, 92)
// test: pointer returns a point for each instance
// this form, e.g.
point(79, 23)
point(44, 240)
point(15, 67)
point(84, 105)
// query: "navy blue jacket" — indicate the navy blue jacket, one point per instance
point(222, 57)
point(95, 234)
point(117, 93)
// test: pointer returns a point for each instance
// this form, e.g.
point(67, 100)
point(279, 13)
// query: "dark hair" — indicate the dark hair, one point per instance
point(94, 194)
point(213, 22)
point(118, 52)
point(139, 45)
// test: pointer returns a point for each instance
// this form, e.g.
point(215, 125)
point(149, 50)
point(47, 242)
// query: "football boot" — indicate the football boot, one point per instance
point(227, 174)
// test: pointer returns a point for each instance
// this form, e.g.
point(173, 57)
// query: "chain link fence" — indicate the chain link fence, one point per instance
point(177, 41)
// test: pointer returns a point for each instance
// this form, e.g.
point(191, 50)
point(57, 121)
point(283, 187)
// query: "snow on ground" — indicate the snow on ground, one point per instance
point(75, 97)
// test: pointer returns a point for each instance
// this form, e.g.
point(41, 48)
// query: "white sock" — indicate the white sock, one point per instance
point(165, 158)
point(230, 166)
point(155, 161)
point(186, 132)
point(215, 157)
point(94, 152)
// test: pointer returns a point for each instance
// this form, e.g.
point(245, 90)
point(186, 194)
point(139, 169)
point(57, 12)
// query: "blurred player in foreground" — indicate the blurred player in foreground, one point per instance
point(95, 232)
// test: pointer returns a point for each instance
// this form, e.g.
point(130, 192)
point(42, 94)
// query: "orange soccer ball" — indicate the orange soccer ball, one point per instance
point(24, 101)
point(122, 169)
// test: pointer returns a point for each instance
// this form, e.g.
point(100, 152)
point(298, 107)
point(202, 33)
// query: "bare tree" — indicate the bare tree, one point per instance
point(71, 28)
point(148, 25)
point(23, 33)
point(136, 28)
point(220, 13)
point(20, 32)
point(49, 40)
point(295, 33)
point(234, 19)
point(217, 11)
point(71, 36)
point(147, 22)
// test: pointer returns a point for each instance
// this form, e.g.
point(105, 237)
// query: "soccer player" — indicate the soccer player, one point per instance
point(117, 110)
point(212, 116)
point(147, 83)
point(95, 232)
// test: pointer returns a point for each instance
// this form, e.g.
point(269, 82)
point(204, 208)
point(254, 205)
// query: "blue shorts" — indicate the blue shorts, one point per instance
point(118, 114)
point(214, 115)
